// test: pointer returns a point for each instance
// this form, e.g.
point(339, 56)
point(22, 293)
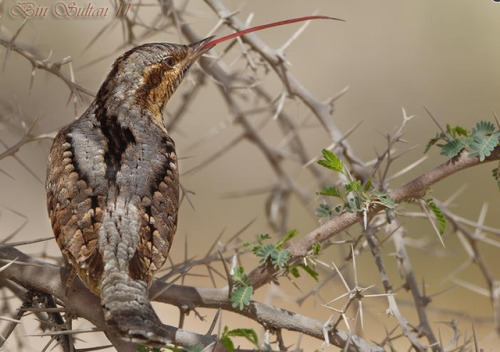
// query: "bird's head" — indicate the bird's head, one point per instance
point(146, 76)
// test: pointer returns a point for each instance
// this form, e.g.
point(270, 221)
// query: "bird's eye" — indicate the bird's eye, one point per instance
point(170, 61)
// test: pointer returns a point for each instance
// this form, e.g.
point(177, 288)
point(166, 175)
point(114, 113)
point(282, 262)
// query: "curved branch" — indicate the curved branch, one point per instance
point(411, 190)
point(32, 273)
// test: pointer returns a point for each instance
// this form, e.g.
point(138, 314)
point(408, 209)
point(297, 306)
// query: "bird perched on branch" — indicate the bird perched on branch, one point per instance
point(113, 184)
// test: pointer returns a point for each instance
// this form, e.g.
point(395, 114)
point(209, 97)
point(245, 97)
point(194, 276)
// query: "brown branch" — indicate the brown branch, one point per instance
point(51, 279)
point(51, 67)
point(411, 190)
point(322, 110)
point(31, 273)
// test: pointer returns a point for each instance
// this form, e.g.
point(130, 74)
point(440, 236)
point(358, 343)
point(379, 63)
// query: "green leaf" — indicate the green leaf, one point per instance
point(324, 211)
point(496, 176)
point(331, 191)
point(483, 128)
point(280, 258)
point(313, 273)
point(228, 344)
point(354, 186)
point(441, 220)
point(294, 271)
point(454, 147)
point(249, 334)
point(456, 131)
point(265, 252)
point(240, 278)
point(384, 198)
point(461, 131)
point(262, 237)
point(354, 205)
point(439, 136)
point(482, 146)
point(249, 245)
point(317, 248)
point(368, 185)
point(241, 297)
point(331, 161)
point(290, 234)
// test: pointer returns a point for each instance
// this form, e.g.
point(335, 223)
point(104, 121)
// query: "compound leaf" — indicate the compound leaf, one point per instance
point(280, 258)
point(241, 297)
point(331, 161)
point(266, 252)
point(482, 146)
point(438, 213)
point(331, 191)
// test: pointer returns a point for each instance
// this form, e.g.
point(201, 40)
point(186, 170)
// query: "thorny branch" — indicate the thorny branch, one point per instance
point(29, 272)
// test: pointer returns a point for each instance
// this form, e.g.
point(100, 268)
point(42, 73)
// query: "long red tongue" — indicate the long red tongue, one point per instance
point(214, 42)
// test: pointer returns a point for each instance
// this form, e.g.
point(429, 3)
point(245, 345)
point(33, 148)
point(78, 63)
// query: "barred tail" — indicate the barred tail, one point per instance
point(127, 309)
point(125, 300)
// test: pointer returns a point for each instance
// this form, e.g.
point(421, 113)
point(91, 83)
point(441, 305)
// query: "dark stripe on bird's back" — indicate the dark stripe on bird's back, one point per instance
point(117, 139)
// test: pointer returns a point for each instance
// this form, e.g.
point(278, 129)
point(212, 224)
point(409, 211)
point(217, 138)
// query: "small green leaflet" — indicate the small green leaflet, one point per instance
point(354, 205)
point(324, 211)
point(280, 258)
point(454, 147)
point(240, 278)
point(441, 220)
point(241, 297)
point(384, 198)
point(248, 334)
point(310, 271)
point(483, 127)
point(241, 294)
point(317, 248)
point(331, 191)
point(265, 252)
point(439, 136)
point(227, 342)
point(290, 234)
point(262, 237)
point(313, 273)
point(331, 161)
point(354, 186)
point(368, 185)
point(457, 130)
point(482, 146)
point(294, 271)
point(480, 141)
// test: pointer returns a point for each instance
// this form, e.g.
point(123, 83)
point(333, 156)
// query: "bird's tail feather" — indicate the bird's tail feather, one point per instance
point(127, 309)
point(125, 300)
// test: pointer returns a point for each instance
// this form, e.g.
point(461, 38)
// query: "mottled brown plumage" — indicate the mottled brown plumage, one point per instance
point(113, 190)
point(112, 183)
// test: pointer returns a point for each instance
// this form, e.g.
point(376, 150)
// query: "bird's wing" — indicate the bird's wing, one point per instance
point(76, 194)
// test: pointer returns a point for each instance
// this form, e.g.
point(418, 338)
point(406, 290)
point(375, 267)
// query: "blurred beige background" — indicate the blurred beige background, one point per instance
point(392, 54)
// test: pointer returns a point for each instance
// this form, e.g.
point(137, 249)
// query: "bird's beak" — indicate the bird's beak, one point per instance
point(199, 48)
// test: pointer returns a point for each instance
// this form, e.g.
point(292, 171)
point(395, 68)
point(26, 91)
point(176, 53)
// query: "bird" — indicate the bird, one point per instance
point(112, 184)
